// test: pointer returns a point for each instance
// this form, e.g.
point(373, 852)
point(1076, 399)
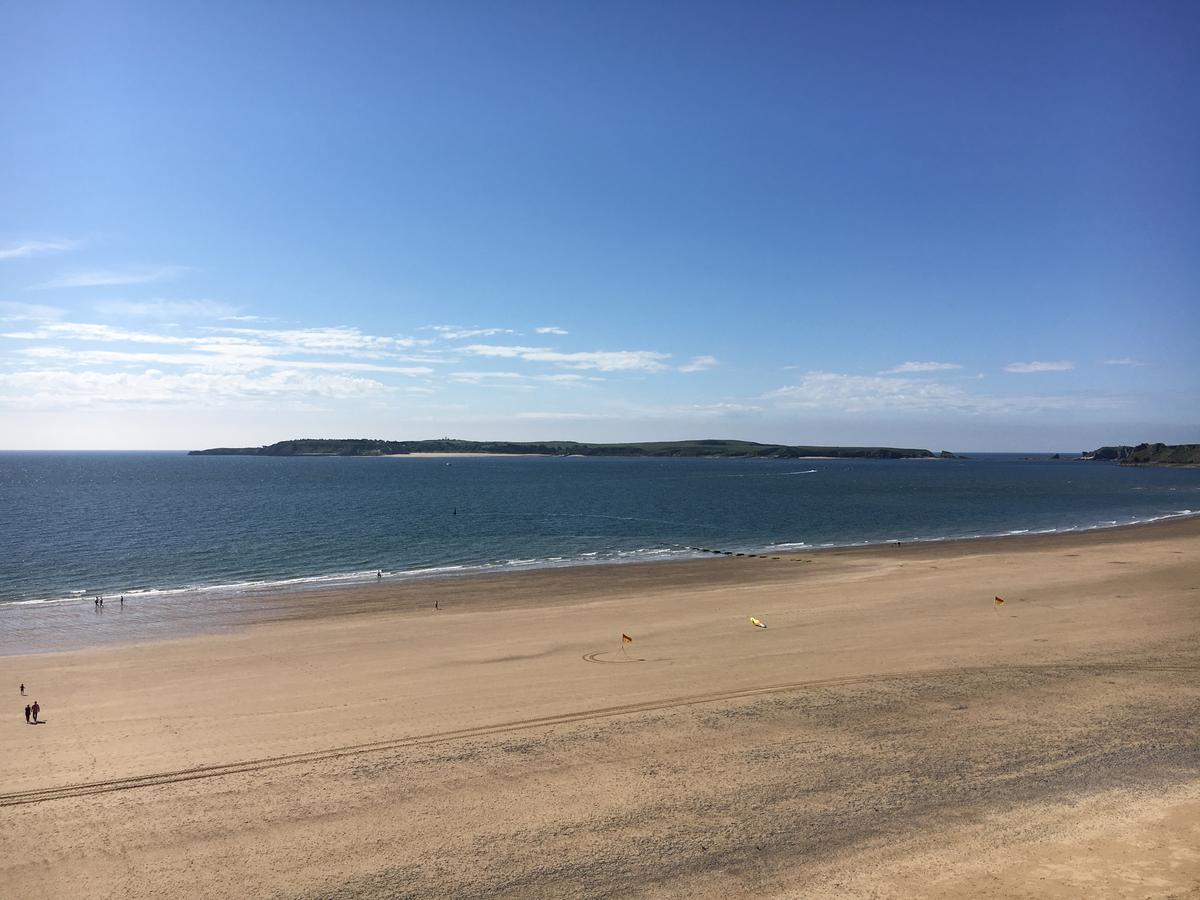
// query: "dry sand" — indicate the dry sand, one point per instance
point(891, 734)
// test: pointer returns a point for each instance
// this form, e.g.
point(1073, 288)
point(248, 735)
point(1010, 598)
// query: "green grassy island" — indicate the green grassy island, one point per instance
point(700, 448)
point(1149, 455)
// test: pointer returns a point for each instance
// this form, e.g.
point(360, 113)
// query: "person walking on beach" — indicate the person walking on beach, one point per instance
point(26, 713)
point(122, 599)
point(35, 709)
point(22, 689)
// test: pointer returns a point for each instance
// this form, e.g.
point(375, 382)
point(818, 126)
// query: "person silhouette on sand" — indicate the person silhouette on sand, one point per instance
point(26, 713)
point(22, 689)
point(35, 709)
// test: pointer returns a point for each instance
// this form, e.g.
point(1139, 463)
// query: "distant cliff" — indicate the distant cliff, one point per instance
point(1149, 455)
point(705, 448)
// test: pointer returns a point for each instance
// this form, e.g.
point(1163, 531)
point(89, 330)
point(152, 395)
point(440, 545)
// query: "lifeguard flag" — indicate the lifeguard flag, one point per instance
point(999, 600)
point(626, 639)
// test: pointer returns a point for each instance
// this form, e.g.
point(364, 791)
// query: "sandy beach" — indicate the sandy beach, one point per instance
point(891, 733)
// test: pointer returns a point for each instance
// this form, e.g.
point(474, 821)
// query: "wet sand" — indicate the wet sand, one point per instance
point(892, 733)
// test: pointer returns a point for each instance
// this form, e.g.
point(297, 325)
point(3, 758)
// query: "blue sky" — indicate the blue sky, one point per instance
point(947, 225)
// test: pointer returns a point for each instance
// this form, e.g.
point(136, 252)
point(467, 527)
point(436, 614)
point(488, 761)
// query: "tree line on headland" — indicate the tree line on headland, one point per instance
point(700, 448)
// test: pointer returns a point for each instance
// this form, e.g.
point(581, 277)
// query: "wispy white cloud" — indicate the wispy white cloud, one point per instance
point(63, 389)
point(516, 380)
point(500, 351)
point(908, 367)
point(166, 309)
point(340, 340)
point(93, 331)
point(602, 360)
point(458, 333)
point(143, 359)
point(243, 348)
point(686, 412)
point(550, 329)
point(696, 411)
point(25, 249)
point(28, 312)
point(1026, 368)
point(344, 341)
point(213, 361)
point(856, 393)
point(1125, 361)
point(563, 416)
point(699, 364)
point(93, 357)
point(113, 278)
point(835, 392)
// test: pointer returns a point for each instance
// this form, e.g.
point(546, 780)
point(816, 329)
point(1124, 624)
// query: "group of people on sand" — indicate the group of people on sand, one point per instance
point(31, 710)
point(99, 601)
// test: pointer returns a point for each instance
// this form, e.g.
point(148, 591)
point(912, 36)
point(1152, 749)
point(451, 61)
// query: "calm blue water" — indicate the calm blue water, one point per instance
point(73, 524)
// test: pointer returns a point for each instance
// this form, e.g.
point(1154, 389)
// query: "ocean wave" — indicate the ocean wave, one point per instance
point(973, 536)
point(591, 557)
point(336, 579)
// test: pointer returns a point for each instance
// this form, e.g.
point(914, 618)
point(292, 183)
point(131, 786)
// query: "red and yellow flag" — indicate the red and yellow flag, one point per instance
point(626, 639)
point(999, 600)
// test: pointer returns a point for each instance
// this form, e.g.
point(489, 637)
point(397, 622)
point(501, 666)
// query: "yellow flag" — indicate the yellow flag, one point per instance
point(757, 623)
point(999, 600)
point(626, 639)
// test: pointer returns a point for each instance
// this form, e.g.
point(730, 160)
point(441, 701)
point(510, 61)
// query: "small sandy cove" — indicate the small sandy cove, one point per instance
point(891, 733)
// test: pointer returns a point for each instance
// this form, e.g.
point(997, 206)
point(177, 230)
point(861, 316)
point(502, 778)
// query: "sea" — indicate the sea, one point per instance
point(152, 526)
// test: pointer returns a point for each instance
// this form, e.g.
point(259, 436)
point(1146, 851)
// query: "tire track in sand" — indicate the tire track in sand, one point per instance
point(155, 779)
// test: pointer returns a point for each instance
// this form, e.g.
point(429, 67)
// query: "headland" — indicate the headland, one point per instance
point(1157, 454)
point(710, 448)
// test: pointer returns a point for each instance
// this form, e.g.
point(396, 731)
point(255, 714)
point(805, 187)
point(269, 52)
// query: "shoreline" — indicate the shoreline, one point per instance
point(341, 580)
point(47, 628)
point(872, 741)
point(326, 581)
